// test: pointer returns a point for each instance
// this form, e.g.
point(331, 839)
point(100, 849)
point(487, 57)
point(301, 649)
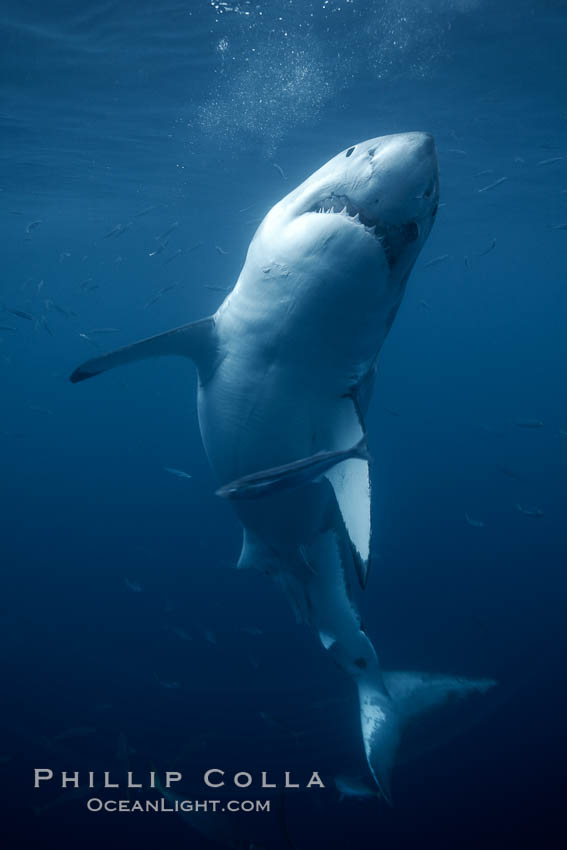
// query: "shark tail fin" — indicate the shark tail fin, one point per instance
point(384, 717)
point(196, 340)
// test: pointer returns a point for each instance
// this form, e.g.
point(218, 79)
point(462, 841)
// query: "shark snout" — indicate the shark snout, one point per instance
point(425, 142)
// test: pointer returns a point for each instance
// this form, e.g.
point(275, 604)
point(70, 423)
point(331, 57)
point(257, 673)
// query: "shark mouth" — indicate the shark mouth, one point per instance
point(393, 238)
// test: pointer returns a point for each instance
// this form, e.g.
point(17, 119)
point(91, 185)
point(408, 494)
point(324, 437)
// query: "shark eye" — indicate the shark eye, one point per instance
point(350, 150)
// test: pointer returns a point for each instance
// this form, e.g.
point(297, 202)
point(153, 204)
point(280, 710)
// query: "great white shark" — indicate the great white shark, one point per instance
point(286, 369)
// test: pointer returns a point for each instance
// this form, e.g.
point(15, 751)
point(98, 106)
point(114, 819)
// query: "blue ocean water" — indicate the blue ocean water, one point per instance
point(142, 144)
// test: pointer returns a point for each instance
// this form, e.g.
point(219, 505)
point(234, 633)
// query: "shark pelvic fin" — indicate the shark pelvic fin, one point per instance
point(351, 483)
point(196, 340)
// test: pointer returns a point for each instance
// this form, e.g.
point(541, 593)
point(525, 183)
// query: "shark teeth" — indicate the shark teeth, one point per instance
point(341, 205)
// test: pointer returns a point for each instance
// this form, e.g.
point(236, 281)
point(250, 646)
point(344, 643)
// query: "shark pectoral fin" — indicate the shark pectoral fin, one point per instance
point(351, 483)
point(196, 340)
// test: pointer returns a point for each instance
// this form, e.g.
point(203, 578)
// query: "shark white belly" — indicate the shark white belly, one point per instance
point(286, 369)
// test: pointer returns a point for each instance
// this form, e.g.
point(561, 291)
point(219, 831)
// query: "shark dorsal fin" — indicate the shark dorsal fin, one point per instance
point(197, 340)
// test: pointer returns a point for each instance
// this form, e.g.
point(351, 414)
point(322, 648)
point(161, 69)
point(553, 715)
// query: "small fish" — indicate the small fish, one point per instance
point(210, 637)
point(424, 305)
point(551, 160)
point(280, 171)
point(169, 685)
point(123, 749)
point(475, 523)
point(484, 173)
point(560, 226)
point(563, 432)
point(457, 151)
point(159, 250)
point(32, 226)
point(179, 633)
point(173, 256)
point(355, 788)
point(493, 185)
point(134, 586)
point(39, 286)
point(52, 305)
point(177, 472)
point(146, 210)
point(75, 732)
point(69, 795)
point(20, 314)
point(85, 283)
point(167, 232)
point(160, 293)
point(529, 511)
point(277, 726)
point(116, 231)
point(290, 475)
point(43, 322)
point(124, 228)
point(153, 300)
point(7, 328)
point(64, 255)
point(254, 631)
point(487, 250)
point(104, 331)
point(216, 288)
point(220, 250)
point(44, 410)
point(391, 411)
point(436, 260)
point(529, 423)
point(509, 473)
point(88, 339)
point(249, 207)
